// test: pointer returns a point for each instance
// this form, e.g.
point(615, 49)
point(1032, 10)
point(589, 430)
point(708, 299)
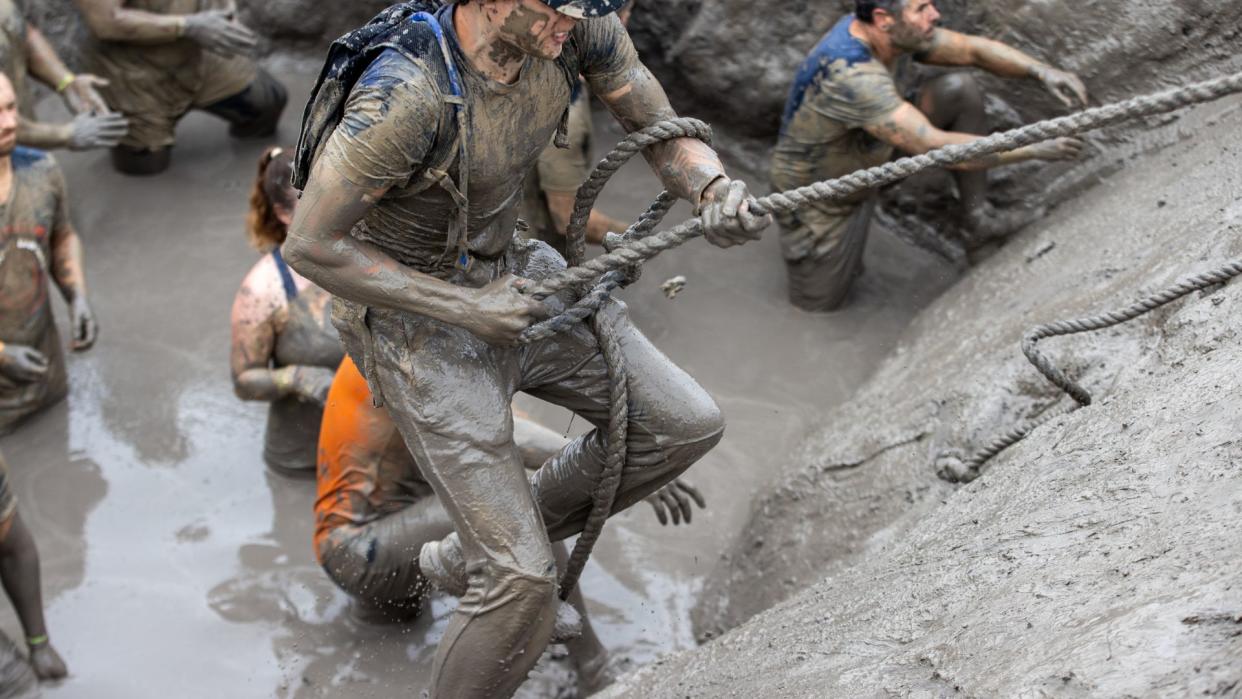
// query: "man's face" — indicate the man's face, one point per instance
point(8, 117)
point(534, 28)
point(912, 29)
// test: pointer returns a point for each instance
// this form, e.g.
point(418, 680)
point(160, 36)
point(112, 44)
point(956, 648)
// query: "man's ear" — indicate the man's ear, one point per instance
point(882, 19)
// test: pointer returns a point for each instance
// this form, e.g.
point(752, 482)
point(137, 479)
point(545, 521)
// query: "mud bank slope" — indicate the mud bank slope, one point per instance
point(1097, 557)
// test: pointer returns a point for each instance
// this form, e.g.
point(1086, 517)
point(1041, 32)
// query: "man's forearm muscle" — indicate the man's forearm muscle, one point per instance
point(685, 165)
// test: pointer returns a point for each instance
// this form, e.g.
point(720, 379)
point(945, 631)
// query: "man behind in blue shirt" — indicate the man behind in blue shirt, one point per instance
point(846, 112)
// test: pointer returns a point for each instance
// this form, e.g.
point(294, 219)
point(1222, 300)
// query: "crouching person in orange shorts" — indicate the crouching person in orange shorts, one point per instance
point(374, 512)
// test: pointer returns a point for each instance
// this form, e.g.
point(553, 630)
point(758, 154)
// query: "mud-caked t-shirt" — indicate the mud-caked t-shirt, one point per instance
point(394, 113)
point(34, 215)
point(839, 89)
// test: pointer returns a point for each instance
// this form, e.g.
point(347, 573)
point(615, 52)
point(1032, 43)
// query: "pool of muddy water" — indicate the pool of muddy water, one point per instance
point(176, 566)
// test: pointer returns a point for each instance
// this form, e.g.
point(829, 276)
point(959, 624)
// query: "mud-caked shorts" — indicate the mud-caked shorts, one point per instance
point(154, 100)
point(823, 249)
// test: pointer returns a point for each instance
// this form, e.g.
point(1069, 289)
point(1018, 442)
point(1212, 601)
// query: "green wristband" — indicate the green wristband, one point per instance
point(37, 640)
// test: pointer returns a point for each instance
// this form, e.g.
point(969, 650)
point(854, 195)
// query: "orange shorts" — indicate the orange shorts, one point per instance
point(364, 468)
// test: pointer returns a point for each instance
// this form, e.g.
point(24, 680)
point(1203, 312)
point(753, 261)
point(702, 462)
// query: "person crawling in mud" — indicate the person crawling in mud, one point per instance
point(548, 201)
point(846, 112)
point(163, 58)
point(24, 50)
point(37, 241)
point(422, 257)
point(375, 508)
point(285, 349)
point(19, 572)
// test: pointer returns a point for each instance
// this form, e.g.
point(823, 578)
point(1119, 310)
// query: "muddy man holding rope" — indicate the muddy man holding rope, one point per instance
point(414, 149)
point(846, 112)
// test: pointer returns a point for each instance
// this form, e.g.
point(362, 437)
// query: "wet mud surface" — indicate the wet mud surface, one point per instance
point(1098, 557)
point(174, 565)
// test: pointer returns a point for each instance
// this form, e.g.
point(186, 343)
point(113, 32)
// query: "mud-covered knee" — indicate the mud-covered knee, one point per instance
point(532, 585)
point(960, 89)
point(704, 425)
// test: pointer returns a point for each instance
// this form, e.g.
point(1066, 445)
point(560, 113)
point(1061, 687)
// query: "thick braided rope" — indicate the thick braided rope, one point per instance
point(1184, 286)
point(894, 171)
point(605, 494)
point(631, 145)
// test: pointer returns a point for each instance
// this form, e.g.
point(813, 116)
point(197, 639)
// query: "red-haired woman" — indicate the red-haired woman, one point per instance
point(284, 347)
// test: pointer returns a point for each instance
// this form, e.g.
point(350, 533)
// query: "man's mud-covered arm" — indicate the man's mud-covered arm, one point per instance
point(321, 248)
point(561, 207)
point(950, 48)
point(112, 21)
point(215, 30)
point(687, 166)
point(79, 91)
point(909, 130)
point(38, 134)
point(68, 271)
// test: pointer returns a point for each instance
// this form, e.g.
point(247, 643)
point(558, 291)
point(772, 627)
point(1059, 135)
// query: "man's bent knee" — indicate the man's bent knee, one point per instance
point(525, 592)
point(956, 91)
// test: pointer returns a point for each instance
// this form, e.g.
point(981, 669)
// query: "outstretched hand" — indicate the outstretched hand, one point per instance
point(82, 94)
point(1059, 149)
point(725, 212)
point(673, 500)
point(97, 130)
point(1065, 86)
point(218, 32)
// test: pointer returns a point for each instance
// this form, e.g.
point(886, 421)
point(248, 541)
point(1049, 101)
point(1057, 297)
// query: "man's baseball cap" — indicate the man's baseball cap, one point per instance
point(580, 9)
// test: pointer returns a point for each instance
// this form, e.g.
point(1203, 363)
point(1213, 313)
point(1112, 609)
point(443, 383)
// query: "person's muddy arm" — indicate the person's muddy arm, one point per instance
point(110, 20)
point(214, 30)
point(253, 348)
point(19, 573)
point(321, 249)
point(909, 130)
point(561, 208)
point(689, 168)
point(686, 166)
point(79, 91)
point(950, 48)
point(44, 136)
point(69, 272)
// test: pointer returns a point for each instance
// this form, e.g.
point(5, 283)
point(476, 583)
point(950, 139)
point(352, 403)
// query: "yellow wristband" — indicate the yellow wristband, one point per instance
point(65, 82)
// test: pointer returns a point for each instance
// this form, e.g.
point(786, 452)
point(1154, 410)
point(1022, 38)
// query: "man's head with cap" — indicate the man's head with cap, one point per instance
point(581, 9)
point(540, 28)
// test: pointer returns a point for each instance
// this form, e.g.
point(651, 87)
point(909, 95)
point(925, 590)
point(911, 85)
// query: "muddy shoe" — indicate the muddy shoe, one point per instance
point(568, 623)
point(444, 565)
